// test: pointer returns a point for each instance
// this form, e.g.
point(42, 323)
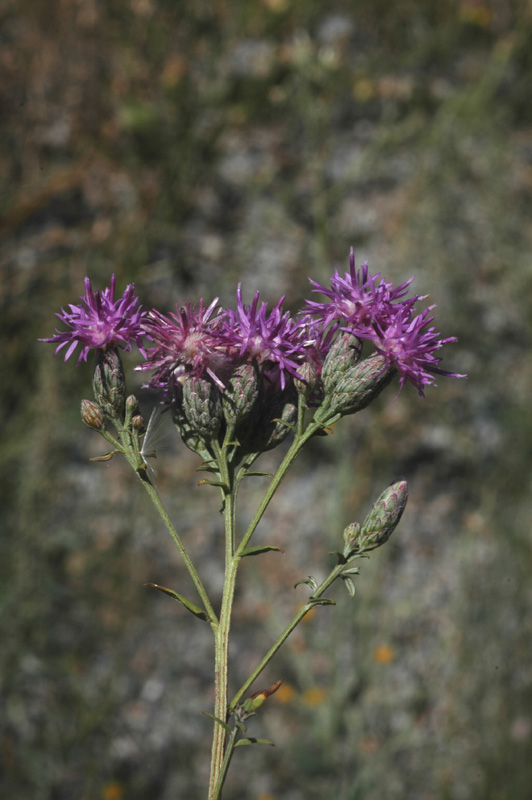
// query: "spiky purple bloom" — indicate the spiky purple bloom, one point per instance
point(102, 322)
point(358, 299)
point(270, 339)
point(409, 344)
point(186, 343)
point(370, 308)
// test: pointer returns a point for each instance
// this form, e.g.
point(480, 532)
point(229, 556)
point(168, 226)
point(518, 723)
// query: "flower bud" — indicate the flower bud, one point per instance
point(202, 406)
point(109, 382)
point(131, 404)
point(351, 537)
point(240, 396)
point(137, 423)
point(360, 385)
point(92, 415)
point(186, 431)
point(342, 356)
point(384, 516)
point(308, 371)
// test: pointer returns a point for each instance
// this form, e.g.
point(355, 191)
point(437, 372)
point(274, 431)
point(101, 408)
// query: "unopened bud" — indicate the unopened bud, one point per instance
point(239, 398)
point(384, 516)
point(255, 701)
point(109, 382)
point(351, 537)
point(202, 406)
point(137, 423)
point(92, 415)
point(131, 404)
point(342, 356)
point(361, 384)
point(308, 386)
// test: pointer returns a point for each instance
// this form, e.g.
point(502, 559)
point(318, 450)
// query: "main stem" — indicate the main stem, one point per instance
point(221, 640)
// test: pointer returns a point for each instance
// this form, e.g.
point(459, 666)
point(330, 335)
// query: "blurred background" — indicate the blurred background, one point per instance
point(187, 146)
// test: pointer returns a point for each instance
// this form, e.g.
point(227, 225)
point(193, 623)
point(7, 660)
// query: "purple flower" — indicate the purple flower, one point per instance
point(265, 338)
point(369, 308)
point(359, 300)
point(409, 345)
point(102, 322)
point(186, 343)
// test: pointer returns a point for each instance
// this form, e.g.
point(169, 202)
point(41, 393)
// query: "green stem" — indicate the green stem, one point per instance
point(217, 790)
point(305, 608)
point(221, 657)
point(299, 441)
point(133, 459)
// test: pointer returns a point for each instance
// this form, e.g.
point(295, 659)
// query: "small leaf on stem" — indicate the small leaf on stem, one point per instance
point(253, 741)
point(256, 551)
point(310, 581)
point(194, 609)
point(224, 725)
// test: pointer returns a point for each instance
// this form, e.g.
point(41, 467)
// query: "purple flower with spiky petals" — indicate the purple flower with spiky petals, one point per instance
point(409, 345)
point(264, 338)
point(102, 322)
point(358, 300)
point(186, 343)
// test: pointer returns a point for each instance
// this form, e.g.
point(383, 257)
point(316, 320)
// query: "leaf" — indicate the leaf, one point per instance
point(224, 725)
point(351, 571)
point(258, 475)
point(350, 586)
point(284, 422)
point(242, 742)
point(194, 609)
point(256, 551)
point(105, 456)
point(320, 601)
point(310, 581)
point(220, 484)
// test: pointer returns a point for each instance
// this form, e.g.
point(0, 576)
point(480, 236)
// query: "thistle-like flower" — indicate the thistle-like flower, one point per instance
point(186, 343)
point(264, 338)
point(368, 308)
point(101, 323)
point(358, 300)
point(409, 344)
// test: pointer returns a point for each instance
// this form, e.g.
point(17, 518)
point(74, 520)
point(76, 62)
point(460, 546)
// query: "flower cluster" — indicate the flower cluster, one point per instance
point(373, 310)
point(287, 353)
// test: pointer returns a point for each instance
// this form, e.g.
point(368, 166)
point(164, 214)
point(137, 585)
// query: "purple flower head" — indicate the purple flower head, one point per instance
point(262, 337)
point(102, 322)
point(186, 343)
point(409, 344)
point(358, 300)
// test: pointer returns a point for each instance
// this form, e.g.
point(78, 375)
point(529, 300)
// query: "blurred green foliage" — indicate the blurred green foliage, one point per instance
point(189, 146)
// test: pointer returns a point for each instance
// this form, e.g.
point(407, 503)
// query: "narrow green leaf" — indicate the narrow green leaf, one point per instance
point(351, 571)
point(256, 551)
point(219, 484)
point(310, 581)
point(258, 475)
point(320, 601)
point(194, 609)
point(287, 424)
point(350, 586)
point(242, 742)
point(224, 725)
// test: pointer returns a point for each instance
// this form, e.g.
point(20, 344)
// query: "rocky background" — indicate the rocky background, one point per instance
point(187, 146)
